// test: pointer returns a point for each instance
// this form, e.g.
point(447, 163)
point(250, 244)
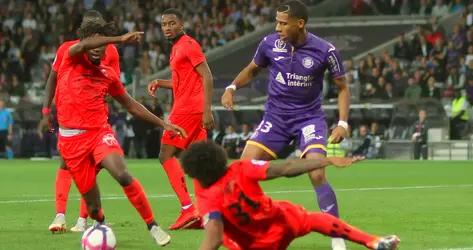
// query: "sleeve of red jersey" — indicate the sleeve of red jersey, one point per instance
point(59, 56)
point(334, 62)
point(195, 54)
point(208, 201)
point(114, 58)
point(116, 88)
point(255, 169)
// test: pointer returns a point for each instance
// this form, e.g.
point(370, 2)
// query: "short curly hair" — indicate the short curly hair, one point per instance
point(205, 161)
point(91, 28)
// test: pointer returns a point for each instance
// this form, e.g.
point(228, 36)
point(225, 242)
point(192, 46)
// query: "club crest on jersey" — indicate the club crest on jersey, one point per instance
point(279, 46)
point(308, 62)
point(109, 139)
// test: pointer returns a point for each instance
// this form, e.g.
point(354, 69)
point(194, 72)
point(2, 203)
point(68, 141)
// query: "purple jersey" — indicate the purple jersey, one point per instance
point(296, 73)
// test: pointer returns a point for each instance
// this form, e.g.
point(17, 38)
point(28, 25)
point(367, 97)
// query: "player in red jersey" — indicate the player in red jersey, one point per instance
point(63, 177)
point(192, 87)
point(86, 140)
point(238, 214)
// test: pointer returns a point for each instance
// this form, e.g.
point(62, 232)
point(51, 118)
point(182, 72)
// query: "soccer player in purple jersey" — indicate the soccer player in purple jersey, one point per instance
point(296, 60)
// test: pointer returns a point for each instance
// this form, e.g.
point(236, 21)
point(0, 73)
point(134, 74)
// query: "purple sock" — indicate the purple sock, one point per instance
point(327, 199)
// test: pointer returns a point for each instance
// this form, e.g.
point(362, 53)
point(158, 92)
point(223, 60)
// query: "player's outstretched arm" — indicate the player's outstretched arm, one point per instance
point(136, 109)
point(343, 108)
point(158, 83)
point(98, 41)
point(208, 82)
point(291, 168)
point(213, 238)
point(49, 91)
point(242, 79)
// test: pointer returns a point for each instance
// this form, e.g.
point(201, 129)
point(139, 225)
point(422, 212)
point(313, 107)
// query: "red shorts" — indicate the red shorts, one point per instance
point(83, 153)
point(192, 124)
point(291, 222)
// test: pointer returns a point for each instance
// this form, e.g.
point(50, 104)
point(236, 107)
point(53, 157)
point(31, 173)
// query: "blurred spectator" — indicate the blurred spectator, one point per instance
point(388, 92)
point(229, 141)
point(419, 137)
point(402, 50)
point(153, 140)
point(459, 117)
point(244, 136)
point(430, 91)
point(413, 91)
point(455, 79)
point(424, 8)
point(405, 8)
point(469, 91)
point(6, 128)
point(440, 9)
point(365, 148)
point(141, 130)
point(217, 134)
point(456, 6)
point(389, 7)
point(420, 46)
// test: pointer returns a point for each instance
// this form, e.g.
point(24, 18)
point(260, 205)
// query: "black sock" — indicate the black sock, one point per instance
point(150, 225)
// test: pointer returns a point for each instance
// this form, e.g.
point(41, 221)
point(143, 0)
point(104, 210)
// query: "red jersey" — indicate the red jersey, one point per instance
point(250, 217)
point(111, 57)
point(188, 91)
point(81, 90)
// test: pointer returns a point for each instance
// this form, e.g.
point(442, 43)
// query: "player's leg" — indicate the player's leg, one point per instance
point(62, 188)
point(270, 137)
point(252, 151)
point(329, 225)
point(424, 150)
point(81, 224)
point(417, 150)
point(312, 134)
point(171, 146)
point(94, 205)
point(115, 165)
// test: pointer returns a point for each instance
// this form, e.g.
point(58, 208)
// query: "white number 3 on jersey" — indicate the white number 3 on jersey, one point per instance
point(264, 126)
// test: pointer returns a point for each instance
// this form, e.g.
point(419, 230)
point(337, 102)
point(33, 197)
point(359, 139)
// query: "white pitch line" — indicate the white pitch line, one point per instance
point(459, 248)
point(161, 196)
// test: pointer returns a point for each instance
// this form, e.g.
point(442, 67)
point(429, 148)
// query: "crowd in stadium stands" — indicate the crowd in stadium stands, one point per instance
point(437, 8)
point(432, 63)
point(30, 32)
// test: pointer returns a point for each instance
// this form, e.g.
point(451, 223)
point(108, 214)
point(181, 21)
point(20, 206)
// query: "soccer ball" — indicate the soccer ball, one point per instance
point(99, 237)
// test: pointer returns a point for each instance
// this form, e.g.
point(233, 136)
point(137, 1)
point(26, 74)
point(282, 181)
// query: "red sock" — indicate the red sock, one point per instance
point(83, 209)
point(63, 185)
point(136, 195)
point(178, 182)
point(331, 226)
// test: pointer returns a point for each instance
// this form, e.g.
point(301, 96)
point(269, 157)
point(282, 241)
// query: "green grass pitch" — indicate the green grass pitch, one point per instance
point(429, 204)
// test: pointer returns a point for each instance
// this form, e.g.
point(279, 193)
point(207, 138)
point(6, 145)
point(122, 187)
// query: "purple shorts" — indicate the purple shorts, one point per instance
point(276, 131)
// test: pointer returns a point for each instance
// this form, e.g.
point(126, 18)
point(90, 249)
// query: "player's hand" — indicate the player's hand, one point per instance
point(46, 121)
point(152, 87)
point(337, 135)
point(208, 120)
point(9, 137)
point(227, 99)
point(132, 37)
point(342, 162)
point(176, 129)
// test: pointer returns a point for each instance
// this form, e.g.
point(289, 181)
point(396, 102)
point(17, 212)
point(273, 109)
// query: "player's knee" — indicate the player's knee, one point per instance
point(317, 177)
point(164, 156)
point(63, 166)
point(124, 178)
